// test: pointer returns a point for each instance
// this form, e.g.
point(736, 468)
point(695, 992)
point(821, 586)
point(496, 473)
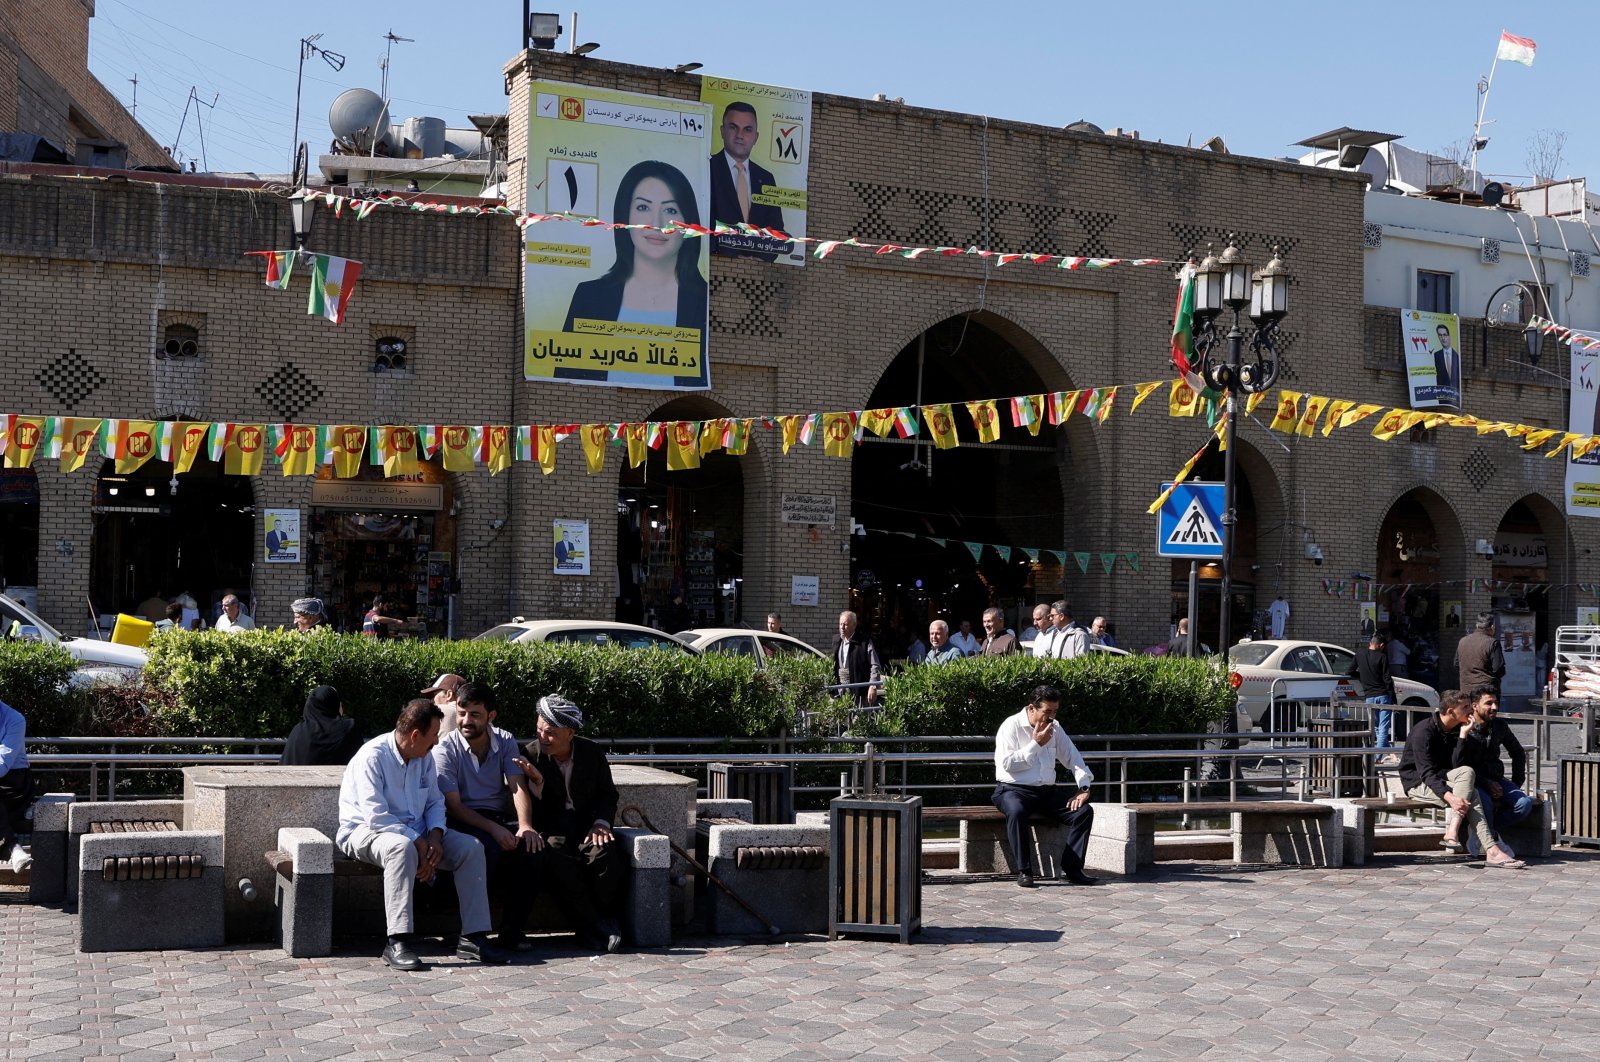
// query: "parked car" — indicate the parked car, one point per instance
point(761, 645)
point(589, 632)
point(97, 659)
point(1297, 673)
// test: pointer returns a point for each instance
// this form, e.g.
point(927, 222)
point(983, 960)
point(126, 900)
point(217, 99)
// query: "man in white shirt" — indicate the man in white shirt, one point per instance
point(233, 618)
point(965, 640)
point(1041, 621)
point(391, 814)
point(1027, 750)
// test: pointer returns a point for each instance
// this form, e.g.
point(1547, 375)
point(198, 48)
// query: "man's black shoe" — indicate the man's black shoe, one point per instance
point(1026, 880)
point(400, 956)
point(1082, 879)
point(480, 951)
point(612, 934)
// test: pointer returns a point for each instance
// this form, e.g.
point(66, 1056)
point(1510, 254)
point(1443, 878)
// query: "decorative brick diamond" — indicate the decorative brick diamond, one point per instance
point(1044, 219)
point(876, 198)
point(1478, 469)
point(758, 294)
point(930, 228)
point(70, 379)
point(289, 391)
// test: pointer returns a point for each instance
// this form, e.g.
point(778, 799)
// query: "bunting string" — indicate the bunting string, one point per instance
point(1034, 554)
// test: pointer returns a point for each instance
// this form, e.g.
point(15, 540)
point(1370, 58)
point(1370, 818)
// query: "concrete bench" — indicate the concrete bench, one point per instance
point(94, 817)
point(1263, 831)
point(306, 866)
point(1528, 838)
point(149, 886)
point(985, 848)
point(780, 869)
point(47, 882)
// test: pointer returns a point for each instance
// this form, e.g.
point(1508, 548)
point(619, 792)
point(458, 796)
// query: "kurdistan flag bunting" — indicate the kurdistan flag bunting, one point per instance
point(280, 264)
point(456, 443)
point(77, 438)
point(333, 281)
point(1515, 49)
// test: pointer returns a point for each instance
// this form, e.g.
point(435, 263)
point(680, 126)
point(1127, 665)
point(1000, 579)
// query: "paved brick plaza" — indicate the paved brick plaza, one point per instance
point(1189, 961)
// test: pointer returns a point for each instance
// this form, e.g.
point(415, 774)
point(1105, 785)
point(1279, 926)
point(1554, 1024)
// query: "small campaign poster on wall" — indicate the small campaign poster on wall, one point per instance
point(1433, 358)
point(1583, 468)
point(283, 536)
point(571, 547)
point(761, 146)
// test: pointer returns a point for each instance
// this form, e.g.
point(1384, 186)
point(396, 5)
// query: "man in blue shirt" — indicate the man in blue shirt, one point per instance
point(485, 782)
point(391, 814)
point(16, 786)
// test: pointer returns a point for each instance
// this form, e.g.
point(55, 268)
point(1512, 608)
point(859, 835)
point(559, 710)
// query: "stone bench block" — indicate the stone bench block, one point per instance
point(158, 915)
point(304, 900)
point(1296, 840)
point(48, 880)
point(647, 904)
point(1530, 838)
point(1120, 841)
point(82, 815)
point(985, 848)
point(795, 900)
point(743, 810)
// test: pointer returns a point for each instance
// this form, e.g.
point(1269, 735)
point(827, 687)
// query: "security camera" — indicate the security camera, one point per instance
point(1313, 553)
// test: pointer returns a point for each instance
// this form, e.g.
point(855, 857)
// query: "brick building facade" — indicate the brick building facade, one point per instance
point(95, 272)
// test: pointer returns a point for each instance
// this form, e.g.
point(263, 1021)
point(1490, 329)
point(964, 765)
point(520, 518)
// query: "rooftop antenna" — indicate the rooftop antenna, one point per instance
point(384, 66)
point(133, 108)
point(195, 100)
point(1518, 50)
point(308, 48)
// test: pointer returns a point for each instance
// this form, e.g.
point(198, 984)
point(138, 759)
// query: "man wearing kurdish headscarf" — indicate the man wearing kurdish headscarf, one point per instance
point(308, 614)
point(323, 737)
point(581, 862)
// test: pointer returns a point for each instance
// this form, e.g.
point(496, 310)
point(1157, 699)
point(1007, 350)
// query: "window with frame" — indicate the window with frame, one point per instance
point(1434, 291)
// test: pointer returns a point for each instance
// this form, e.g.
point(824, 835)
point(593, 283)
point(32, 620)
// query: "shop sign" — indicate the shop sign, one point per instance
point(1514, 550)
point(363, 494)
point(811, 509)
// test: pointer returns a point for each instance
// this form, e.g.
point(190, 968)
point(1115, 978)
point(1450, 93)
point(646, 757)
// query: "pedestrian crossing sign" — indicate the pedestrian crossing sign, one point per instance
point(1190, 522)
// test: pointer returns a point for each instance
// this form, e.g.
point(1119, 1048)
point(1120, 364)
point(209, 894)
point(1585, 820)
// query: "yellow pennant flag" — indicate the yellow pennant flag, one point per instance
point(1584, 448)
point(78, 438)
point(344, 447)
point(188, 443)
point(1288, 414)
point(245, 450)
point(595, 437)
point(941, 425)
point(638, 444)
point(1336, 409)
point(397, 444)
point(711, 435)
point(1314, 405)
point(1539, 436)
point(1515, 431)
point(29, 435)
point(498, 449)
point(1183, 401)
point(1392, 424)
point(879, 422)
point(300, 450)
point(544, 447)
point(682, 449)
point(838, 434)
point(1358, 414)
point(1489, 427)
point(1567, 439)
point(739, 437)
point(1142, 392)
point(791, 426)
point(1253, 401)
point(986, 419)
point(455, 448)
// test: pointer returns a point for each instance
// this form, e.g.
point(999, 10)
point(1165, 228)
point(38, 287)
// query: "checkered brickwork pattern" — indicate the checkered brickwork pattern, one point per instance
point(70, 379)
point(1478, 469)
point(758, 318)
point(289, 392)
point(1094, 224)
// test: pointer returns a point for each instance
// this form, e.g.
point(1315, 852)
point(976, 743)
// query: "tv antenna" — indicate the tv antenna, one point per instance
point(308, 48)
point(388, 49)
point(196, 102)
point(133, 108)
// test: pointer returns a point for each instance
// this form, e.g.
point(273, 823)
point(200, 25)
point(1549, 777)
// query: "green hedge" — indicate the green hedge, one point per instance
point(33, 679)
point(1101, 693)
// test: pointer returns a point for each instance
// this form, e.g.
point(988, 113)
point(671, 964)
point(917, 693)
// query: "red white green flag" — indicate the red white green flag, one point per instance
point(280, 264)
point(1515, 49)
point(333, 280)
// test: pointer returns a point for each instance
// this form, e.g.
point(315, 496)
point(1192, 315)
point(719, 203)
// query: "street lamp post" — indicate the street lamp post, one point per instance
point(1532, 338)
point(1227, 282)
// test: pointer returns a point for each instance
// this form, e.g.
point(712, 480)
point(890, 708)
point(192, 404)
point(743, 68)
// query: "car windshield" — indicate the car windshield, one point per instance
point(779, 647)
point(1340, 661)
point(504, 633)
point(1252, 654)
point(738, 645)
point(610, 636)
point(20, 623)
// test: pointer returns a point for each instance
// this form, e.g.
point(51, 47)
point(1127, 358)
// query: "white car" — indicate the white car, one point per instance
point(761, 645)
point(1296, 673)
point(103, 660)
point(588, 632)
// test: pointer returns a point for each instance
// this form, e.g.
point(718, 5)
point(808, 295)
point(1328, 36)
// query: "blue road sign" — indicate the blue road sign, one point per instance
point(1190, 522)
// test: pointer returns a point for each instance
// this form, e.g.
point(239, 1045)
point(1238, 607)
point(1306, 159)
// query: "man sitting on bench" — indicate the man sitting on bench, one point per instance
point(1427, 771)
point(1027, 749)
point(1503, 802)
point(391, 814)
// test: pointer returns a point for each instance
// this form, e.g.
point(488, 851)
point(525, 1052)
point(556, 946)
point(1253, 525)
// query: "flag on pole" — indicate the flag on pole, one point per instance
point(1515, 49)
point(333, 280)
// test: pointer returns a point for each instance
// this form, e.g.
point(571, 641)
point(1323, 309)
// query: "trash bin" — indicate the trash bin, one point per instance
point(1578, 800)
point(876, 863)
point(1336, 775)
point(768, 786)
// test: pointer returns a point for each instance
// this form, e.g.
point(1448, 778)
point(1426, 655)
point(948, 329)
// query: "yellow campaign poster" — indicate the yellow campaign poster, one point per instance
point(1431, 342)
point(761, 150)
point(1583, 473)
point(621, 303)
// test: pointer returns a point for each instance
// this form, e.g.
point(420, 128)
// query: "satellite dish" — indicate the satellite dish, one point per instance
point(359, 118)
point(1375, 166)
point(1493, 193)
point(1083, 125)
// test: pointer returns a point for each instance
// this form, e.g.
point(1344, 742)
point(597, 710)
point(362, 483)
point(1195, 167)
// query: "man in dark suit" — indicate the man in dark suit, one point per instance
point(1447, 368)
point(581, 861)
point(856, 660)
point(736, 181)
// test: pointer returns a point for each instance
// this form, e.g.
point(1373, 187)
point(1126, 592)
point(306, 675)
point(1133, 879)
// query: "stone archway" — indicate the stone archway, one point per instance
point(19, 533)
point(1530, 569)
point(1420, 559)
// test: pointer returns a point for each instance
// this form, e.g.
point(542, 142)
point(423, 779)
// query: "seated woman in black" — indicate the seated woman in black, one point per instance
point(323, 737)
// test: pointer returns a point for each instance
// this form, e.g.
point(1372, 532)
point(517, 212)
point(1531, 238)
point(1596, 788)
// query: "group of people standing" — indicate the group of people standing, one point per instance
point(446, 789)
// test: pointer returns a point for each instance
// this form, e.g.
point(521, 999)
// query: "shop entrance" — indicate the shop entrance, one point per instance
point(1418, 535)
point(680, 536)
point(19, 534)
point(156, 534)
point(1529, 558)
point(392, 539)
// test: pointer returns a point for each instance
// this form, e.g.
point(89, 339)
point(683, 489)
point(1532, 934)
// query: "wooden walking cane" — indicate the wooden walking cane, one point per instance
point(639, 818)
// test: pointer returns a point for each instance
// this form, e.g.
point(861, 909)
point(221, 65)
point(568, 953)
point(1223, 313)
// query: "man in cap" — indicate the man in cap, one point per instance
point(443, 692)
point(308, 614)
point(485, 786)
point(581, 862)
point(391, 814)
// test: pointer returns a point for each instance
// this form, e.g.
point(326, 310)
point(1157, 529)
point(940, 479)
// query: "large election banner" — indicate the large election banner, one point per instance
point(618, 307)
point(1583, 473)
point(1433, 358)
point(761, 144)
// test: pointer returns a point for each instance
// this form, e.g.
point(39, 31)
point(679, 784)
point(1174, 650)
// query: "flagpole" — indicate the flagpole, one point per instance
point(1483, 104)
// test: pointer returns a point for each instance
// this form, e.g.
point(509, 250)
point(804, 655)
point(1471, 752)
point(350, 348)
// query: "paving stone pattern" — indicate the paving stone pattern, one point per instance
point(1413, 957)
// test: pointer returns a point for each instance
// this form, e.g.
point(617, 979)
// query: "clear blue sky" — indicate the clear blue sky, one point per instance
point(1262, 75)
